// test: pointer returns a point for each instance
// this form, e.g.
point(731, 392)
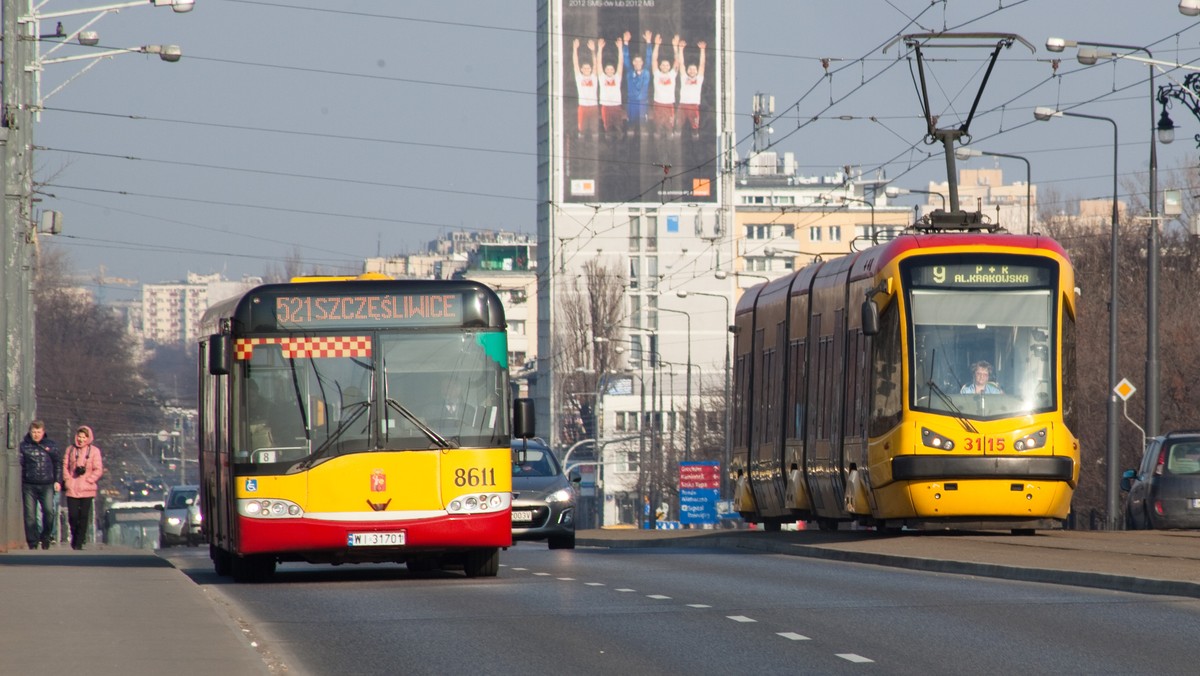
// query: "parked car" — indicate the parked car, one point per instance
point(131, 524)
point(1164, 491)
point(543, 506)
point(180, 520)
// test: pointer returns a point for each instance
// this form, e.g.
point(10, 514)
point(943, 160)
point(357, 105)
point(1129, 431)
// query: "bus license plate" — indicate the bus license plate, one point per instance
point(524, 515)
point(376, 539)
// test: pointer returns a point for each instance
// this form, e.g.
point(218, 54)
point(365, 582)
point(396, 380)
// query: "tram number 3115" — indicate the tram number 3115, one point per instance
point(984, 444)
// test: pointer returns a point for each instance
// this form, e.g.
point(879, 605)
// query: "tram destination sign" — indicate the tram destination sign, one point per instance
point(980, 274)
point(363, 310)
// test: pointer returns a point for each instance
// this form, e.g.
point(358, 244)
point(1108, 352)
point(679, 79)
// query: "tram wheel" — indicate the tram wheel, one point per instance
point(482, 562)
point(827, 524)
point(772, 526)
point(1024, 531)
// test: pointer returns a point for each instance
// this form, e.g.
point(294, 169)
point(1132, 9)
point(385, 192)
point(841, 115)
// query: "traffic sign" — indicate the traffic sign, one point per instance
point(1125, 389)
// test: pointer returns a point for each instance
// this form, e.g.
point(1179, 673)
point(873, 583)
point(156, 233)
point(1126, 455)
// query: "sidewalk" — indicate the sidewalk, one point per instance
point(112, 612)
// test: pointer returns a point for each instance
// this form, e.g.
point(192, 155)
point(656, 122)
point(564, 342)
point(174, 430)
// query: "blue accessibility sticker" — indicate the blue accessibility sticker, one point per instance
point(251, 485)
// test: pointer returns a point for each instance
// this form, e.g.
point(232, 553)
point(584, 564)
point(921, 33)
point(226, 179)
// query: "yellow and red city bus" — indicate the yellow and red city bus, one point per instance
point(854, 396)
point(364, 420)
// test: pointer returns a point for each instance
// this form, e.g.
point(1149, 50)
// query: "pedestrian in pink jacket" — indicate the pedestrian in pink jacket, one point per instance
point(82, 469)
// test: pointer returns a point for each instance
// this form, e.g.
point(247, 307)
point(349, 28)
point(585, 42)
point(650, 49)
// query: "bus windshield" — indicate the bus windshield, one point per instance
point(982, 335)
point(306, 401)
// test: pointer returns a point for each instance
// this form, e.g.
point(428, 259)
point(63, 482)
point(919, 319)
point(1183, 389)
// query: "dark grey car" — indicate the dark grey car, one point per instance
point(543, 506)
point(1164, 491)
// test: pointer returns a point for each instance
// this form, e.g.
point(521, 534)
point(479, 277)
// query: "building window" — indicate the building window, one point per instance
point(651, 232)
point(814, 234)
point(835, 233)
point(635, 232)
point(635, 265)
point(651, 273)
point(516, 327)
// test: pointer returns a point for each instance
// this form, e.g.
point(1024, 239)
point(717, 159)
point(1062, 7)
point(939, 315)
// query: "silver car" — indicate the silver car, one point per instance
point(543, 506)
point(180, 521)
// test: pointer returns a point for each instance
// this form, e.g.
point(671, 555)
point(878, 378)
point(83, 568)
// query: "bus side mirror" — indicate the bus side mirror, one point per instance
point(870, 318)
point(523, 419)
point(218, 354)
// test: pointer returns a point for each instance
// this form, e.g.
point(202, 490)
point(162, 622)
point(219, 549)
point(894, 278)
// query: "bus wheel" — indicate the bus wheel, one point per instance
point(482, 562)
point(252, 568)
point(220, 559)
point(422, 564)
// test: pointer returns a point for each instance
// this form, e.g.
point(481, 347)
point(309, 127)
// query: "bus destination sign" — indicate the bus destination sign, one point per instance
point(980, 275)
point(367, 310)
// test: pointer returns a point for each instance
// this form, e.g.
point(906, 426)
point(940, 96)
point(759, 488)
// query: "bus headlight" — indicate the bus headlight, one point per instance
point(476, 503)
point(260, 508)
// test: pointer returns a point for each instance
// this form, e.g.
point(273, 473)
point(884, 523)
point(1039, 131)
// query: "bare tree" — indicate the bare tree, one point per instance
point(86, 366)
point(586, 340)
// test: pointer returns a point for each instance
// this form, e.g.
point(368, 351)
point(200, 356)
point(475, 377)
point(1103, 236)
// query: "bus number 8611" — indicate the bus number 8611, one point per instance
point(478, 476)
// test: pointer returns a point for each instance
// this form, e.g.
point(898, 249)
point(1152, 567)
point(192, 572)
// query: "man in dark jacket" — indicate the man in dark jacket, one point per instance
point(41, 473)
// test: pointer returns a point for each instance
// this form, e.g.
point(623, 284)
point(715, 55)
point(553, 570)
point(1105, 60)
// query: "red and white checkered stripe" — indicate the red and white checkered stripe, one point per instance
point(308, 348)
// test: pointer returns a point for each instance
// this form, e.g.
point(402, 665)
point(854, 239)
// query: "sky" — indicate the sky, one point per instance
point(336, 131)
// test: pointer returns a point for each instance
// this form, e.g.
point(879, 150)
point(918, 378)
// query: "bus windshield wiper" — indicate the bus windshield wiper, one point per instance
point(344, 425)
point(958, 414)
point(428, 431)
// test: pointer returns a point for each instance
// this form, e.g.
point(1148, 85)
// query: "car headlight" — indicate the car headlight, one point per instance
point(561, 495)
point(174, 521)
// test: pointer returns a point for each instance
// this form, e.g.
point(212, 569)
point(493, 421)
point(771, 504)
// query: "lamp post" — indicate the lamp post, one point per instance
point(21, 98)
point(963, 153)
point(728, 395)
point(895, 191)
point(1088, 55)
point(1113, 439)
point(687, 430)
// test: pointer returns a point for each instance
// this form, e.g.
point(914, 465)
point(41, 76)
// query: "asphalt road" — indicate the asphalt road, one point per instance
point(673, 610)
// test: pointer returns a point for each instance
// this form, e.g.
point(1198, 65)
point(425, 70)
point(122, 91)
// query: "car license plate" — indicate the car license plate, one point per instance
point(522, 515)
point(376, 539)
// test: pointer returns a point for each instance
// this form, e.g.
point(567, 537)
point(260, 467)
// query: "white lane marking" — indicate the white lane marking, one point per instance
point(851, 657)
point(594, 584)
point(543, 574)
point(740, 618)
point(626, 590)
point(698, 605)
point(566, 579)
point(659, 597)
point(520, 569)
point(793, 636)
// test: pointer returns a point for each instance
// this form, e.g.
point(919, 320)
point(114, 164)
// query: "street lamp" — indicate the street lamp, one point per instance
point(1113, 446)
point(21, 40)
point(1088, 57)
point(682, 293)
point(687, 430)
point(963, 153)
point(895, 191)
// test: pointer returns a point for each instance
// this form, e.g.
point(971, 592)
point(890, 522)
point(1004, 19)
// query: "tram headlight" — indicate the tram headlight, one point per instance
point(934, 440)
point(1031, 441)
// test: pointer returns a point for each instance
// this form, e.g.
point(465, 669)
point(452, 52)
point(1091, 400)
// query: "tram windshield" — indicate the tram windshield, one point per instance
point(982, 332)
point(305, 402)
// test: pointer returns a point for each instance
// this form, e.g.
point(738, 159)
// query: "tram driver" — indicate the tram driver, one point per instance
point(981, 382)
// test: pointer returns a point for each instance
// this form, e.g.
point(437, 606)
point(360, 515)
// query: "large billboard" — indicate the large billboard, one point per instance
point(639, 112)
